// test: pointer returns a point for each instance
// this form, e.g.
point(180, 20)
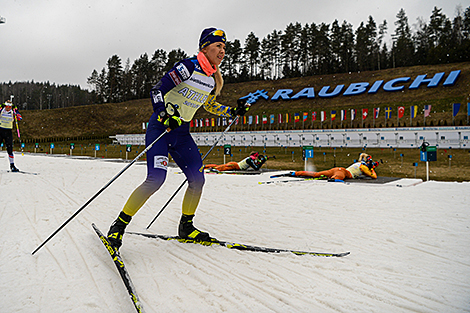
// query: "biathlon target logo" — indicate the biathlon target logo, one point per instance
point(160, 162)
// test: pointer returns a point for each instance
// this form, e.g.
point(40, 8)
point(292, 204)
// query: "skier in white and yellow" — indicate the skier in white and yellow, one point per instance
point(8, 114)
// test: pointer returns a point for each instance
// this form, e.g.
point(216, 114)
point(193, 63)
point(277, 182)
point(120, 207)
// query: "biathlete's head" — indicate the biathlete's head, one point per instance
point(8, 105)
point(211, 53)
point(212, 44)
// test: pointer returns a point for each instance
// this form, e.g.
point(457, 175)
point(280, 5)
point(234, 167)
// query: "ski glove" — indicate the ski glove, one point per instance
point(241, 109)
point(170, 121)
point(170, 117)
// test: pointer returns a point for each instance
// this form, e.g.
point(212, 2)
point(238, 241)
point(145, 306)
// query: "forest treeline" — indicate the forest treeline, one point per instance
point(298, 50)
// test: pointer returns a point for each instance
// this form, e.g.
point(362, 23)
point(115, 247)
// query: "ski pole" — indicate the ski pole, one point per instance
point(17, 127)
point(100, 191)
point(18, 131)
point(184, 182)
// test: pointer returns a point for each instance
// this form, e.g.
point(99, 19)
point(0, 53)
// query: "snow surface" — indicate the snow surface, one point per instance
point(410, 245)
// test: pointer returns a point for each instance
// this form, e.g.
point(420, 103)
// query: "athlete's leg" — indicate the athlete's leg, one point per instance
point(327, 173)
point(157, 165)
point(230, 166)
point(340, 173)
point(187, 157)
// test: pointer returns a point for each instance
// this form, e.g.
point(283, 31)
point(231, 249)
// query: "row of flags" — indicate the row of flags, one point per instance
point(322, 116)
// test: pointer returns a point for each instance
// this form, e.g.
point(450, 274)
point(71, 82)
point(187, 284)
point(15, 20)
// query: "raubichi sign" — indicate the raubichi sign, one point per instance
point(394, 85)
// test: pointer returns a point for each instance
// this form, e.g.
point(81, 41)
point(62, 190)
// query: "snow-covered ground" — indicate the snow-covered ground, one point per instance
point(410, 245)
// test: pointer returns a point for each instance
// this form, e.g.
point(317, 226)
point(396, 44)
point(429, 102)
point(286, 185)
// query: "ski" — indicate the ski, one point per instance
point(23, 172)
point(281, 181)
point(282, 175)
point(114, 253)
point(239, 246)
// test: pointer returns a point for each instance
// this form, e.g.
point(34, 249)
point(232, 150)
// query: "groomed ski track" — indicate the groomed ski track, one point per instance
point(410, 247)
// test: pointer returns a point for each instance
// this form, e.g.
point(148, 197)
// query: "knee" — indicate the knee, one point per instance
point(197, 183)
point(154, 182)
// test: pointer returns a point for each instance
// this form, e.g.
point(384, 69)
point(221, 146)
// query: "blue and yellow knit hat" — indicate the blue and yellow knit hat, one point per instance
point(211, 35)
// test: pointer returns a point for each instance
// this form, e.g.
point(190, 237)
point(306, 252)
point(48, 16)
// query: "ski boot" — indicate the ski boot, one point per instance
point(186, 230)
point(13, 168)
point(116, 231)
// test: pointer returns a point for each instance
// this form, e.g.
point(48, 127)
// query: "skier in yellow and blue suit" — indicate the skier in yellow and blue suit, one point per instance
point(190, 84)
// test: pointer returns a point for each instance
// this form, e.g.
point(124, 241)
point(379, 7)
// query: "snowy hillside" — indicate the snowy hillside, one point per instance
point(410, 245)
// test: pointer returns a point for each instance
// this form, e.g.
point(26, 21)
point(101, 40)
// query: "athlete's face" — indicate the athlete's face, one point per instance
point(215, 52)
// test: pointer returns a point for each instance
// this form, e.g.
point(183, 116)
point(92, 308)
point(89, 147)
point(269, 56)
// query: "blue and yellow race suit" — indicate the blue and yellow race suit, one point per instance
point(188, 88)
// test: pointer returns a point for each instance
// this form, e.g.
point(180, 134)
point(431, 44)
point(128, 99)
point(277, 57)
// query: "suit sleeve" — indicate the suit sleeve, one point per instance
point(216, 108)
point(170, 80)
point(368, 172)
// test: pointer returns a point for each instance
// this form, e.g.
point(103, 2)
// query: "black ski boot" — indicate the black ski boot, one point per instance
point(13, 168)
point(116, 231)
point(186, 230)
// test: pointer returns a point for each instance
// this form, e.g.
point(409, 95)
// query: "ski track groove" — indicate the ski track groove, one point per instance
point(438, 256)
point(264, 295)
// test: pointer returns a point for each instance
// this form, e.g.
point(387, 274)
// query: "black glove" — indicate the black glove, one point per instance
point(170, 117)
point(171, 121)
point(241, 109)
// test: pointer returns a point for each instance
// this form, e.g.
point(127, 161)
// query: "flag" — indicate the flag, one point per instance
point(333, 115)
point(296, 117)
point(376, 113)
point(427, 110)
point(244, 119)
point(212, 122)
point(343, 115)
point(468, 108)
point(287, 117)
point(322, 116)
point(236, 121)
point(401, 112)
point(201, 123)
point(413, 111)
point(271, 119)
point(250, 119)
point(265, 119)
point(388, 112)
point(314, 115)
point(224, 121)
point(455, 108)
point(353, 114)
point(280, 118)
point(191, 124)
point(207, 121)
point(305, 116)
point(257, 119)
point(364, 113)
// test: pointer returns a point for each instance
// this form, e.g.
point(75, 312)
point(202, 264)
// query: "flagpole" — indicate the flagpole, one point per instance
point(351, 118)
point(424, 116)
